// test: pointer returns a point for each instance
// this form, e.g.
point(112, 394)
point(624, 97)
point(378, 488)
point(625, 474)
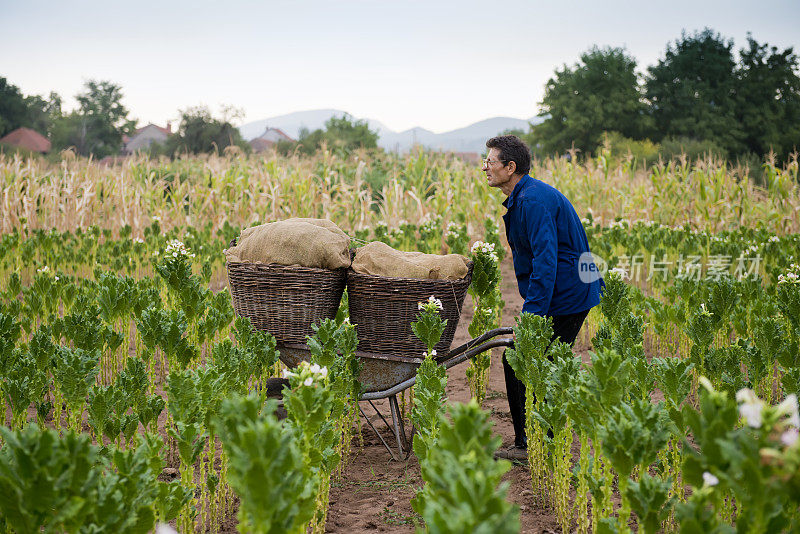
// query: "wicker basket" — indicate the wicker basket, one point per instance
point(384, 308)
point(285, 300)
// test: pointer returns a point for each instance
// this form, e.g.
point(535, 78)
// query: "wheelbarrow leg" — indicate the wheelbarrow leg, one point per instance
point(397, 423)
point(391, 453)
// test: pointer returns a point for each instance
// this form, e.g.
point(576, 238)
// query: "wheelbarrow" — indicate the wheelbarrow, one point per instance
point(386, 375)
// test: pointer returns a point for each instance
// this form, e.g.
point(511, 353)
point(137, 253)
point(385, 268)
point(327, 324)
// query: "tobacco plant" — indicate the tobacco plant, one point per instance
point(463, 491)
point(268, 471)
point(429, 387)
point(530, 365)
point(486, 297)
point(313, 413)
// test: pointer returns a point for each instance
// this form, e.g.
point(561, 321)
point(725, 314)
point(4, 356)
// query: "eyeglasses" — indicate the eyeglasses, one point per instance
point(488, 162)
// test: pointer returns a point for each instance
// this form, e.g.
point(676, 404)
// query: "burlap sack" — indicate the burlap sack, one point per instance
point(380, 259)
point(315, 243)
point(324, 223)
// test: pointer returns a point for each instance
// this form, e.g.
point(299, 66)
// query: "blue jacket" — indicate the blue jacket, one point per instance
point(547, 240)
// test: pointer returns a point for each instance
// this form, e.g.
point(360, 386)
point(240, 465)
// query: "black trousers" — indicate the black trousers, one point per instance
point(565, 328)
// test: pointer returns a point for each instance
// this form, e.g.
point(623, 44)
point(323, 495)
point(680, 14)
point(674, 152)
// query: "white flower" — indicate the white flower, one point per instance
point(57, 278)
point(424, 354)
point(314, 368)
point(433, 353)
point(789, 407)
point(790, 437)
point(43, 269)
point(287, 373)
point(750, 407)
point(774, 239)
point(480, 246)
point(308, 381)
point(324, 372)
point(437, 302)
point(709, 479)
point(156, 218)
point(138, 240)
point(177, 248)
point(620, 271)
point(751, 413)
point(163, 528)
point(704, 310)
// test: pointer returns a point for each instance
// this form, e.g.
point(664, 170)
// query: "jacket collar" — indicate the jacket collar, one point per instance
point(509, 202)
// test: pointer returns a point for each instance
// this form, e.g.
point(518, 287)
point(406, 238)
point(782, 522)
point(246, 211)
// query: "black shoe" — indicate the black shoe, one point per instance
point(517, 455)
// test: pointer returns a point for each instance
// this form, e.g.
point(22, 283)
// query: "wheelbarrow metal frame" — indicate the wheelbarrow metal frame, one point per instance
point(402, 366)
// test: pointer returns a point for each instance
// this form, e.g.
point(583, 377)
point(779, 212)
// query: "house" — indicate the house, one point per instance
point(27, 139)
point(268, 139)
point(145, 136)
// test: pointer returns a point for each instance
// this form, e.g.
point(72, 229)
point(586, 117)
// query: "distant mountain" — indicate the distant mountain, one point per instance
point(471, 138)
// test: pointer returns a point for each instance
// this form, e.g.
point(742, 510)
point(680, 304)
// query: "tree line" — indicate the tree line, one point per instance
point(101, 121)
point(697, 98)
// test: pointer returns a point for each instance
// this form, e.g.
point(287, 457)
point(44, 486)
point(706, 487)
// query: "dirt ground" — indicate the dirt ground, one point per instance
point(375, 491)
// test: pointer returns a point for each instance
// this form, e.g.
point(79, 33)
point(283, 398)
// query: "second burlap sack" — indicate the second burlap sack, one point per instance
point(315, 243)
point(380, 259)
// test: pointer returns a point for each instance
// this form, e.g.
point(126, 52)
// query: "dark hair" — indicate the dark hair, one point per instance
point(512, 148)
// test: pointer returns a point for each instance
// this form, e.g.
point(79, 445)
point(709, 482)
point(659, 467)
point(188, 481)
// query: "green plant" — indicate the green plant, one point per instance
point(463, 492)
point(267, 469)
point(530, 365)
point(484, 290)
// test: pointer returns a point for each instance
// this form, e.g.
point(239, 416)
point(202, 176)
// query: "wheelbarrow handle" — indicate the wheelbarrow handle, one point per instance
point(504, 331)
point(475, 350)
point(447, 363)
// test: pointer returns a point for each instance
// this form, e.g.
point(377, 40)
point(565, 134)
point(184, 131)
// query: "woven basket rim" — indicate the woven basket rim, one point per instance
point(228, 264)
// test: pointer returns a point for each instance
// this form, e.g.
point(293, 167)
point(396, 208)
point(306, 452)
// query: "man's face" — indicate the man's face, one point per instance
point(497, 171)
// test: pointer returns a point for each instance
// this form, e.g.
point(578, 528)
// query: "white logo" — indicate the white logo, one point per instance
point(591, 268)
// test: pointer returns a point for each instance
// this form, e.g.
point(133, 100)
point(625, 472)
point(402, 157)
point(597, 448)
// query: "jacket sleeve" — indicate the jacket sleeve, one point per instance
point(541, 231)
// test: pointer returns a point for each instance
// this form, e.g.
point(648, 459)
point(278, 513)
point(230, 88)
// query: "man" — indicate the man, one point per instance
point(547, 240)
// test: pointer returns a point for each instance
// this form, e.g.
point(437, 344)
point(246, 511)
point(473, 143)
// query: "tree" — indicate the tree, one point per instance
point(768, 98)
point(600, 93)
point(105, 117)
point(342, 133)
point(13, 109)
point(43, 112)
point(18, 110)
point(692, 91)
point(200, 132)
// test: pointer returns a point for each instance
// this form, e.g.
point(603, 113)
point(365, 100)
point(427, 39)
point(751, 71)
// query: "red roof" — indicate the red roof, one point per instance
point(27, 139)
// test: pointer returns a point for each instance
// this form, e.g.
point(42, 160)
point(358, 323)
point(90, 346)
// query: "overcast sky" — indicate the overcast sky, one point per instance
point(439, 65)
